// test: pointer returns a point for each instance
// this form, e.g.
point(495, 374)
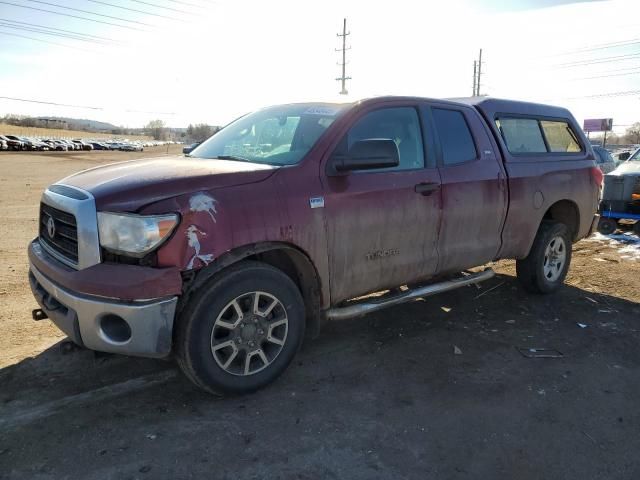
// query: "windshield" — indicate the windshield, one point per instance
point(635, 157)
point(280, 135)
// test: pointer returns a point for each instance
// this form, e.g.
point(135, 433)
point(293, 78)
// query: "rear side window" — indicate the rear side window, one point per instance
point(455, 137)
point(559, 136)
point(522, 135)
point(533, 135)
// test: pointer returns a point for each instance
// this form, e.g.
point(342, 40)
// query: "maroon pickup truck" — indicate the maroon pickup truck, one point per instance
point(291, 215)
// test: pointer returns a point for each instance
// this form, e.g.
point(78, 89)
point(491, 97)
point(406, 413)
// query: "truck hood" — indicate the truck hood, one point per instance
point(128, 186)
point(627, 168)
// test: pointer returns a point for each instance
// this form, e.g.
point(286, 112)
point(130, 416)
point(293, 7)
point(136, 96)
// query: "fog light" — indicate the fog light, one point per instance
point(115, 328)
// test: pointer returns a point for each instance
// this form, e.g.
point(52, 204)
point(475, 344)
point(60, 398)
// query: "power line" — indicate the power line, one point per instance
point(89, 12)
point(73, 16)
point(611, 94)
point(580, 63)
point(132, 9)
point(50, 103)
point(609, 75)
point(162, 6)
point(54, 34)
point(45, 41)
point(43, 102)
point(97, 37)
point(602, 46)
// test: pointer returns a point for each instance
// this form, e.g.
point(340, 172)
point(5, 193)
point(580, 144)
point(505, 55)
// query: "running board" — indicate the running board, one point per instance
point(341, 313)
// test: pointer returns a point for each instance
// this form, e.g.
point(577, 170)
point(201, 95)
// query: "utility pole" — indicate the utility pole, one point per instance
point(475, 66)
point(344, 49)
point(479, 74)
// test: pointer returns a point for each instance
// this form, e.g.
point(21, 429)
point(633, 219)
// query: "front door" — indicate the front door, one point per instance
point(382, 225)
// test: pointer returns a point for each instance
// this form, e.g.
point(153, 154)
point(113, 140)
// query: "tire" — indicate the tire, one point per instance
point(636, 228)
point(607, 226)
point(210, 330)
point(546, 266)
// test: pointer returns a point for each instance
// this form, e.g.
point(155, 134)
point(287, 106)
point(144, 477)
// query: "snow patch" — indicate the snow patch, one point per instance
point(627, 244)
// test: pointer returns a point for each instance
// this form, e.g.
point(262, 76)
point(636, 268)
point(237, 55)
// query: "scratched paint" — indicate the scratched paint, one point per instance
point(201, 202)
point(194, 242)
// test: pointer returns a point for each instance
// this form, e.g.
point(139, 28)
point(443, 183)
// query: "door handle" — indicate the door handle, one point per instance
point(427, 189)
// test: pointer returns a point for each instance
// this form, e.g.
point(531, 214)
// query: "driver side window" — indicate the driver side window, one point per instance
point(399, 124)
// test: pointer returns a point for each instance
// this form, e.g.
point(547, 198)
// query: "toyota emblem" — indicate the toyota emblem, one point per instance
point(51, 227)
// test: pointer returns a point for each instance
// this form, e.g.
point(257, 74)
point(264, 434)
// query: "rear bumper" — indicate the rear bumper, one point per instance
point(138, 327)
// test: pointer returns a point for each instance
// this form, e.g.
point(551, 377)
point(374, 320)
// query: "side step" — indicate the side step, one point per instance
point(341, 313)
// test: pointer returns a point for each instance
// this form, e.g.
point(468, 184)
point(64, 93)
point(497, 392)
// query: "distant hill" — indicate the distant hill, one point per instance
point(82, 123)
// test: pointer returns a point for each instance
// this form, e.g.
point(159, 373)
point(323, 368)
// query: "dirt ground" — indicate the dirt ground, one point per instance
point(431, 389)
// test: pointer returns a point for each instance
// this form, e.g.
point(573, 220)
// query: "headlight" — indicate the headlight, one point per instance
point(134, 235)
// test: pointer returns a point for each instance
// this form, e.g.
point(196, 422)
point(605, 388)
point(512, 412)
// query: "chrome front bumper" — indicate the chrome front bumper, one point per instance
point(100, 323)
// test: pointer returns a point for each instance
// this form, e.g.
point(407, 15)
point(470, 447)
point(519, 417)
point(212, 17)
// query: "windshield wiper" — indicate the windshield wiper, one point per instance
point(234, 157)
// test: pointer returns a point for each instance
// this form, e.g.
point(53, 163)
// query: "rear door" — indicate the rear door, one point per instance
point(474, 193)
point(382, 225)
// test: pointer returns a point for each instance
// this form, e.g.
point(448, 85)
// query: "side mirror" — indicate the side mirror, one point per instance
point(624, 156)
point(367, 154)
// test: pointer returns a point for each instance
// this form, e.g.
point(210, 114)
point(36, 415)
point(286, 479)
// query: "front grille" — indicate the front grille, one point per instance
point(65, 232)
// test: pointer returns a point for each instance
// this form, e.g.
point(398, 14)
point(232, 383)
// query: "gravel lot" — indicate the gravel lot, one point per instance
point(432, 389)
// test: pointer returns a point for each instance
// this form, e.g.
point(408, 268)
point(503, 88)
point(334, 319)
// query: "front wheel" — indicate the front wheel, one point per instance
point(546, 266)
point(241, 330)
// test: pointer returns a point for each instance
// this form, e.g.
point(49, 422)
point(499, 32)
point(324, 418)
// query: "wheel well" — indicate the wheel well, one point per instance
point(565, 211)
point(298, 267)
point(291, 261)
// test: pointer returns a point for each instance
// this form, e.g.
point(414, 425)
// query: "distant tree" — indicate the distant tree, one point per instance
point(157, 129)
point(633, 133)
point(201, 131)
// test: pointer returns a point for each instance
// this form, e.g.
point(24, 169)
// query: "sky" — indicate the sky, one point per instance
point(201, 61)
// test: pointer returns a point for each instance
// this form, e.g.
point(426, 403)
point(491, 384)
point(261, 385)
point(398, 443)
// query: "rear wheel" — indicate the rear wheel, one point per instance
point(546, 266)
point(241, 330)
point(607, 226)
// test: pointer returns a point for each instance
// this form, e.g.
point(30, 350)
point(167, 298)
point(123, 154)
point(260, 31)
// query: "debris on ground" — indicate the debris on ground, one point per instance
point(456, 351)
point(487, 291)
point(582, 325)
point(531, 352)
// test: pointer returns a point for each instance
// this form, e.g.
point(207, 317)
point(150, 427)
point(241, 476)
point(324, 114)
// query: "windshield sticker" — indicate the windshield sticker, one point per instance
point(326, 111)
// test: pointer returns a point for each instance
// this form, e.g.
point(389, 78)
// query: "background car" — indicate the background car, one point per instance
point(131, 147)
point(56, 145)
point(83, 145)
point(189, 148)
point(605, 161)
point(14, 142)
